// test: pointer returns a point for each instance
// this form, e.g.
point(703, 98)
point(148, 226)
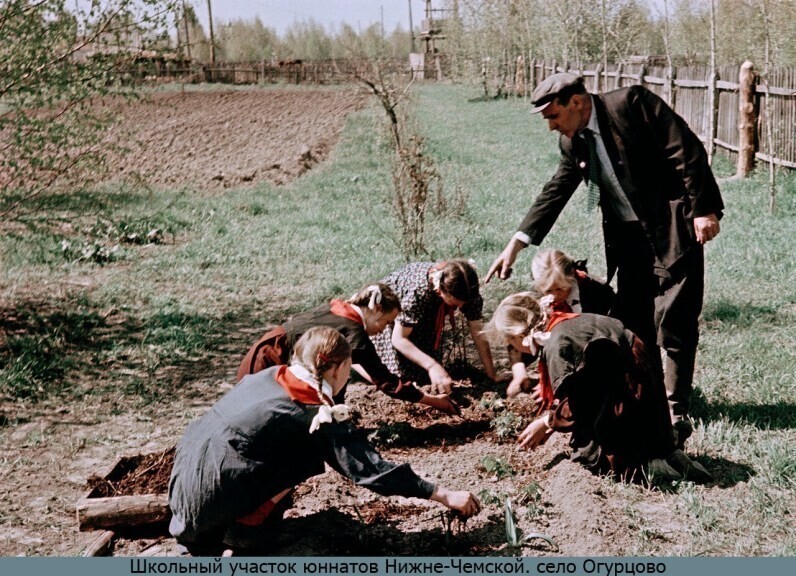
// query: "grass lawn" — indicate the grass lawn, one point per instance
point(232, 264)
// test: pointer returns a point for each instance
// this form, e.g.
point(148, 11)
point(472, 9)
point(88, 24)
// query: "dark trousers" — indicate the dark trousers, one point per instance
point(662, 311)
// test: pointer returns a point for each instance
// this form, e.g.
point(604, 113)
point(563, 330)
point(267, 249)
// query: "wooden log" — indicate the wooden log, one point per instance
point(100, 545)
point(93, 513)
point(746, 121)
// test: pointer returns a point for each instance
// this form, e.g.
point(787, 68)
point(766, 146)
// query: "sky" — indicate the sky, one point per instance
point(280, 14)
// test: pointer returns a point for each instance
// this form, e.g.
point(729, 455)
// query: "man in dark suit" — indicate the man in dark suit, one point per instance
point(660, 203)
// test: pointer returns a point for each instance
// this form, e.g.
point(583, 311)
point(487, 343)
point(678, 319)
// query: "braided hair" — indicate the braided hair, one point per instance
point(380, 295)
point(319, 349)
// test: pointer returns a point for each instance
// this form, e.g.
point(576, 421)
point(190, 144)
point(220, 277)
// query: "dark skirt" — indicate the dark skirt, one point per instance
point(615, 407)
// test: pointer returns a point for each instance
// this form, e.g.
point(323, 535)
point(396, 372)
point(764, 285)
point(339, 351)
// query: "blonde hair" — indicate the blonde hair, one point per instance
point(387, 300)
point(516, 315)
point(552, 268)
point(319, 349)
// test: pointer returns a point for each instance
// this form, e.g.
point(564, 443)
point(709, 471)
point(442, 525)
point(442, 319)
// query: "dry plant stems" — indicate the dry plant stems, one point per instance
point(455, 344)
point(414, 175)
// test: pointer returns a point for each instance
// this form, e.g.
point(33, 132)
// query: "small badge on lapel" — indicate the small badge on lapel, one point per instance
point(582, 164)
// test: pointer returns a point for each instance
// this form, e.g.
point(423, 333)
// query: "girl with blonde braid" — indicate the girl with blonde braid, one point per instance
point(235, 467)
point(597, 383)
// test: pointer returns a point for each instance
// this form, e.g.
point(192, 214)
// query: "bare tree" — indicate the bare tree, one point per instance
point(413, 172)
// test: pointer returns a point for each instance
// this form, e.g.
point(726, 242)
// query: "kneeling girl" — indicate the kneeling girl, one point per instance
point(237, 463)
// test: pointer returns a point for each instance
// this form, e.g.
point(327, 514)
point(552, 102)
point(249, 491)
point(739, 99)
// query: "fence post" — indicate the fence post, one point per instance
point(713, 106)
point(597, 72)
point(532, 76)
point(617, 79)
point(746, 120)
point(641, 72)
point(519, 77)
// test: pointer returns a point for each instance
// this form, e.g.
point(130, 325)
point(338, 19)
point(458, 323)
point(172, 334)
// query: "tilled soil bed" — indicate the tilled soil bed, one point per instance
point(212, 140)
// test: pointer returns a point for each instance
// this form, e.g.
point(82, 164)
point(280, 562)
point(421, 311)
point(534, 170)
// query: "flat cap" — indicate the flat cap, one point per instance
point(552, 86)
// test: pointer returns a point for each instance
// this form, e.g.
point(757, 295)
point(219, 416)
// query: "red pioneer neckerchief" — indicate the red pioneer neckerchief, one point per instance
point(545, 386)
point(298, 389)
point(345, 310)
point(444, 311)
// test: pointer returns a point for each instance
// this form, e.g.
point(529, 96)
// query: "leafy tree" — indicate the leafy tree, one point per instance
point(307, 41)
point(197, 42)
point(54, 65)
point(246, 41)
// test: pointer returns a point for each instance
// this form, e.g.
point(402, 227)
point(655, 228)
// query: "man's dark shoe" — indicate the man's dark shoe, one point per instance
point(682, 432)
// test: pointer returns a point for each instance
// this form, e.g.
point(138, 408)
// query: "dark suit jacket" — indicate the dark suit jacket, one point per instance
point(661, 165)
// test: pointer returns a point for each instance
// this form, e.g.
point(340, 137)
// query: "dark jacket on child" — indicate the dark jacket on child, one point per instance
point(609, 396)
point(276, 346)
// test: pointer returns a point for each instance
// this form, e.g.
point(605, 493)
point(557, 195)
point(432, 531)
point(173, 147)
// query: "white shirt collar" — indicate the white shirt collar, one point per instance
point(303, 374)
point(593, 125)
point(574, 299)
point(360, 312)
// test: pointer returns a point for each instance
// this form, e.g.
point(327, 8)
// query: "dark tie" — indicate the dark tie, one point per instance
point(593, 186)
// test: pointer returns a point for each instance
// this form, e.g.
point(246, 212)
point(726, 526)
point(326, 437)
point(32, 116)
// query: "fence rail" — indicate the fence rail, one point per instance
point(285, 72)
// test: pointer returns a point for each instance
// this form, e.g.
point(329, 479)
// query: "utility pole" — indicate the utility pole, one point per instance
point(185, 27)
point(411, 27)
point(212, 38)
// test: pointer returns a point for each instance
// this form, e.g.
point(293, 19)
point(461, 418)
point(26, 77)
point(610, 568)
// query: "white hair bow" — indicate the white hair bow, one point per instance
point(535, 340)
point(436, 278)
point(327, 414)
point(375, 296)
point(546, 303)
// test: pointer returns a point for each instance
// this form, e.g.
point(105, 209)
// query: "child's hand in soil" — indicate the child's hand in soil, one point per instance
point(536, 434)
point(443, 403)
point(441, 382)
point(462, 501)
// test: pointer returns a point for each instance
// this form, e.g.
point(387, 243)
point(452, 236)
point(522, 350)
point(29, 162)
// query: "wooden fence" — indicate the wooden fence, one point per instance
point(286, 72)
point(711, 103)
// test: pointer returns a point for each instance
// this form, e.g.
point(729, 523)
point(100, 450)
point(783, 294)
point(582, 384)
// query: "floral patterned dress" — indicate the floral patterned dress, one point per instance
point(420, 306)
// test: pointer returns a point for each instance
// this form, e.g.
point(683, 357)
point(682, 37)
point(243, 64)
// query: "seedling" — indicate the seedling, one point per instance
point(506, 425)
point(490, 498)
point(514, 536)
point(497, 466)
point(530, 493)
point(495, 403)
point(389, 434)
point(531, 496)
